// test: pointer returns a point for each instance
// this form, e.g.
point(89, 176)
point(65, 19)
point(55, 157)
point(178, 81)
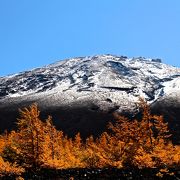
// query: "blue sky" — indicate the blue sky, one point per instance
point(34, 33)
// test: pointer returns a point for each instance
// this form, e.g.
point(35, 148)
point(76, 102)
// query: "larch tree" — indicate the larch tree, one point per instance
point(141, 136)
point(52, 146)
point(30, 136)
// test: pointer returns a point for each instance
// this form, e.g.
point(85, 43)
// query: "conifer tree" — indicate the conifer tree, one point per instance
point(50, 138)
point(36, 144)
point(30, 136)
point(140, 137)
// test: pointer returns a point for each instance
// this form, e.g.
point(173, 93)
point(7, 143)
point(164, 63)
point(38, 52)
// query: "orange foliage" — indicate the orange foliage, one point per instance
point(145, 140)
point(38, 144)
point(8, 169)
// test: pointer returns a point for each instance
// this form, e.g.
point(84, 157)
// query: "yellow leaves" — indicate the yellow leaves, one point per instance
point(91, 158)
point(166, 155)
point(38, 144)
point(177, 155)
point(163, 172)
point(145, 140)
point(54, 164)
point(77, 141)
point(2, 143)
point(143, 159)
point(7, 168)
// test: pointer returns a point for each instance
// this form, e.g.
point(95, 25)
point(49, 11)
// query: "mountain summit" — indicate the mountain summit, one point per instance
point(82, 93)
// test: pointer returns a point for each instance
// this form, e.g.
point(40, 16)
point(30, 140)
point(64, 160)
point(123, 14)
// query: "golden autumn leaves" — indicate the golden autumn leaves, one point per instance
point(38, 144)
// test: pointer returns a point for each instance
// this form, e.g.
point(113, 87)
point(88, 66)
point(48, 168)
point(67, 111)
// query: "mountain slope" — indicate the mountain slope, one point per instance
point(82, 93)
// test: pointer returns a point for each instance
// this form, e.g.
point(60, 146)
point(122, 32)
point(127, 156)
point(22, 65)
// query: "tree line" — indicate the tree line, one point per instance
point(37, 144)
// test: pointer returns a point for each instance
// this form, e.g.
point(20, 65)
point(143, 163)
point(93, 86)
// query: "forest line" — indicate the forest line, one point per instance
point(37, 144)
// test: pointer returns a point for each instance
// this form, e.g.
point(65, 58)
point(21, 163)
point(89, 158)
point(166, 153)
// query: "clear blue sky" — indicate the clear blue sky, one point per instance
point(38, 32)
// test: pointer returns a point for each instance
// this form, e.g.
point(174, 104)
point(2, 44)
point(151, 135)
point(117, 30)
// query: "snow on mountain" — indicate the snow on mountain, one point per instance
point(82, 93)
point(96, 78)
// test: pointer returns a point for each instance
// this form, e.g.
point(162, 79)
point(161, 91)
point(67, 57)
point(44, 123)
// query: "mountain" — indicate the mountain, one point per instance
point(82, 93)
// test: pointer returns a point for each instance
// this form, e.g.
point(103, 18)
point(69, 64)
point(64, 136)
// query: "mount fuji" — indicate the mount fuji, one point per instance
point(82, 93)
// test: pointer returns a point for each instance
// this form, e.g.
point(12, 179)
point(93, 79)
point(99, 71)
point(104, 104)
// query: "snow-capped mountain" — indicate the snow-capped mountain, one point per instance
point(103, 83)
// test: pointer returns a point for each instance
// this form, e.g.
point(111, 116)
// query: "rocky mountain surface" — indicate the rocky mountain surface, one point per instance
point(82, 93)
